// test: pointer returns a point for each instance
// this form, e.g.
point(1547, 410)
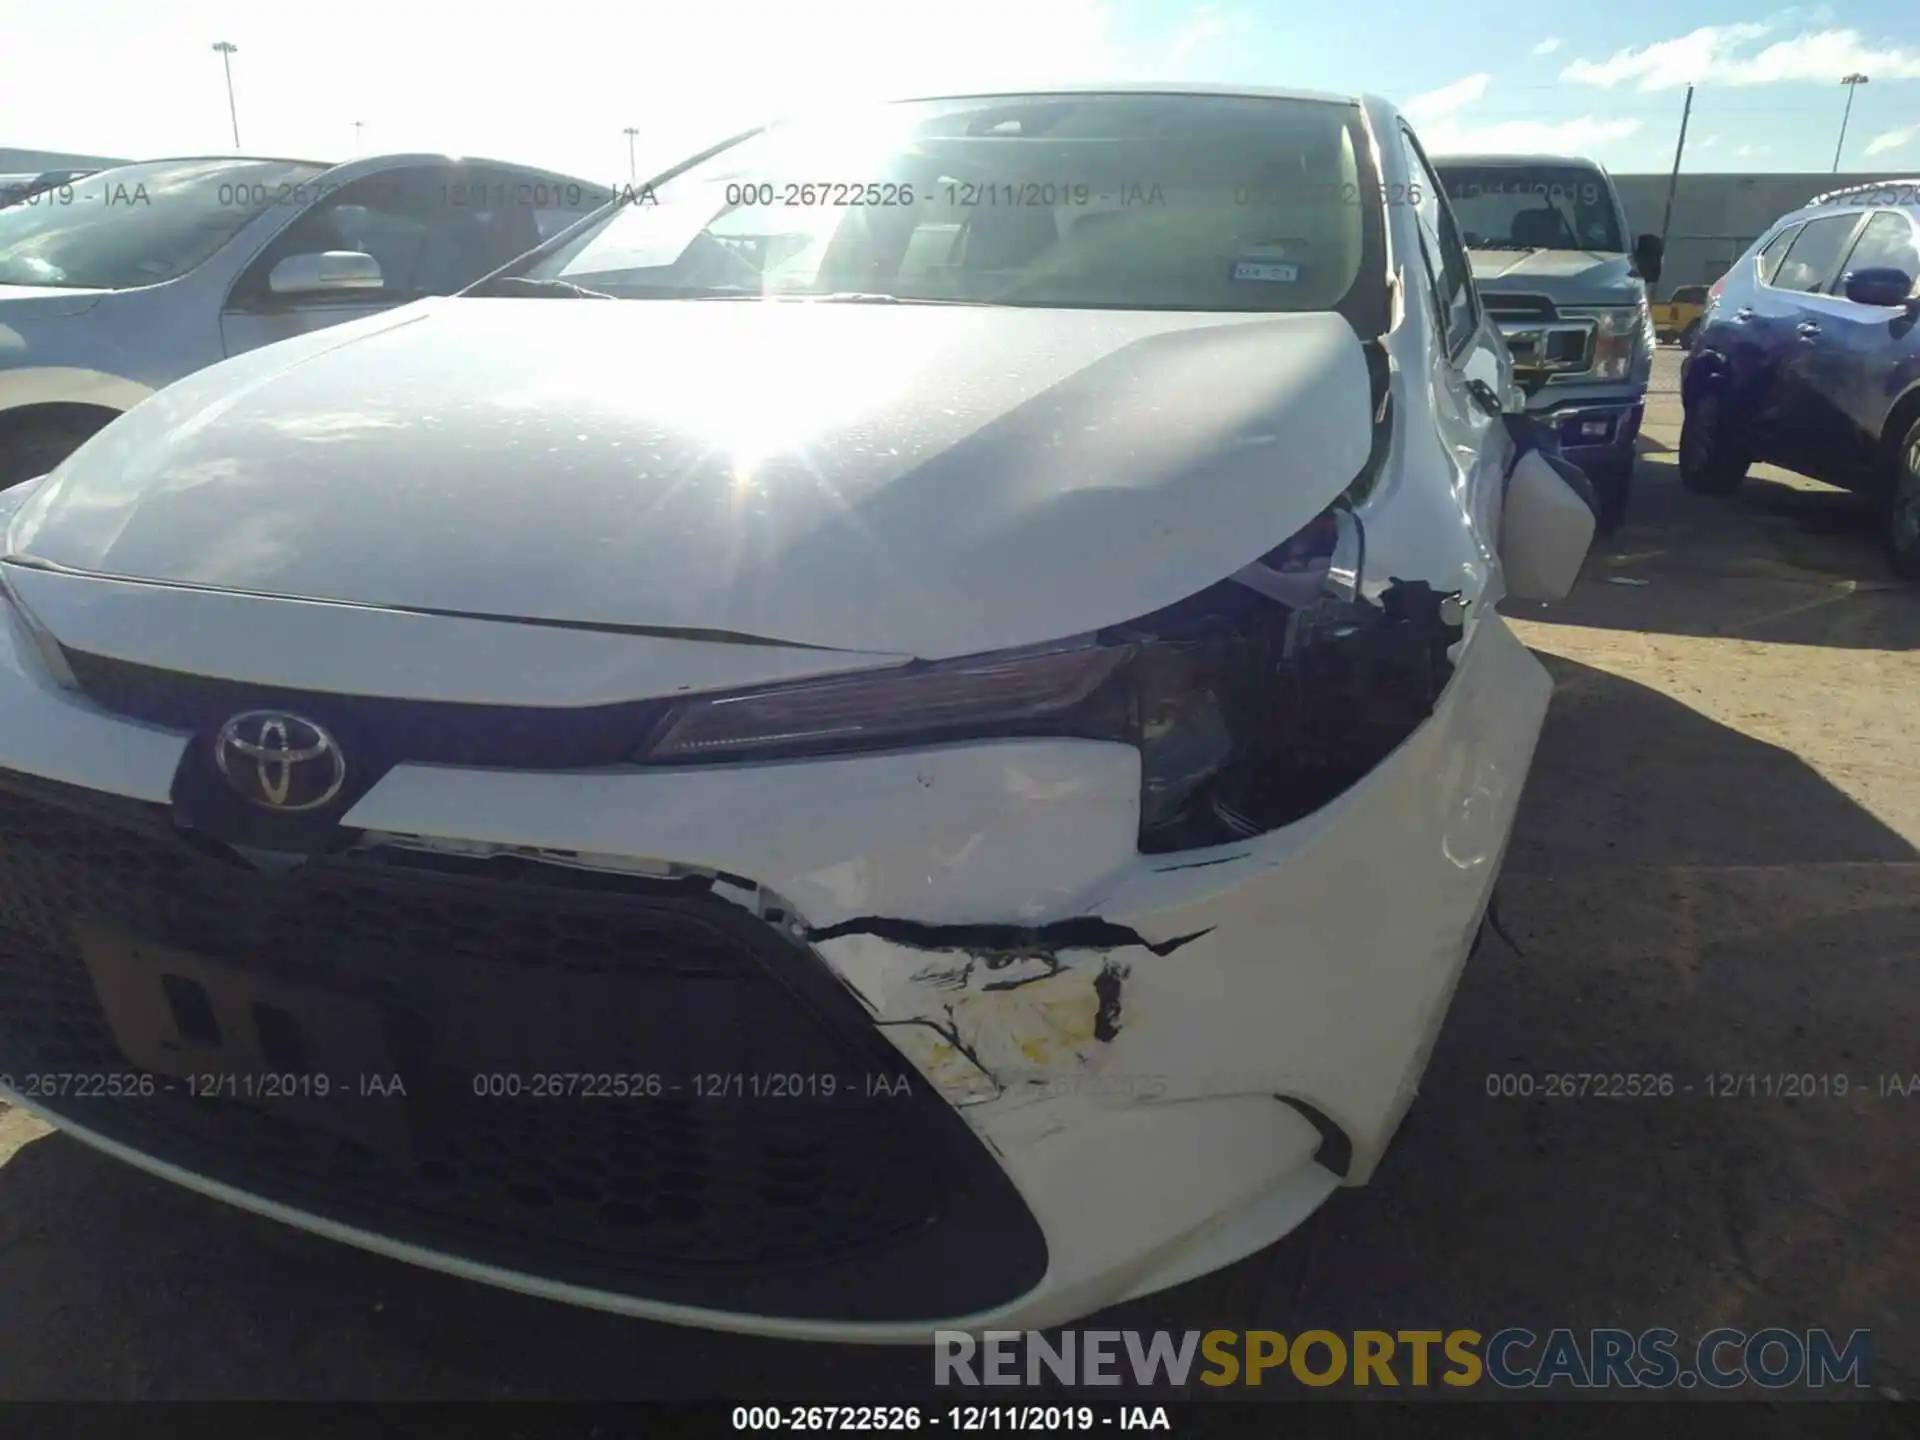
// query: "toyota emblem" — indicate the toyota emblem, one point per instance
point(279, 761)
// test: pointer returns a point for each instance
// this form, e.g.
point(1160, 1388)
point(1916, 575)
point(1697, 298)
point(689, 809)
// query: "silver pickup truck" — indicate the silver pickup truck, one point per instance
point(1549, 247)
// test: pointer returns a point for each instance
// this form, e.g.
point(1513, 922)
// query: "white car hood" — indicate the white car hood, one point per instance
point(1567, 277)
point(927, 480)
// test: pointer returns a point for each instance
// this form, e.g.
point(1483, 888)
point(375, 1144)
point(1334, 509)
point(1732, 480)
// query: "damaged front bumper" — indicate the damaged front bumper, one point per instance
point(1172, 1058)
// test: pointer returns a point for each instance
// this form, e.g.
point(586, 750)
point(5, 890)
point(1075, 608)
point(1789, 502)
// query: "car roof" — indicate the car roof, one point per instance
point(1144, 87)
point(1580, 161)
point(230, 158)
point(358, 163)
point(1830, 197)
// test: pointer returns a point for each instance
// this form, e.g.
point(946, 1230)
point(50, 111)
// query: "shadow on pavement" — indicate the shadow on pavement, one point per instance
point(1686, 902)
point(1784, 561)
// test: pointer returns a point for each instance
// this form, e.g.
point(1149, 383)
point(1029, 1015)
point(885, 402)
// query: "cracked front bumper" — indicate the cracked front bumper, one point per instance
point(1165, 1092)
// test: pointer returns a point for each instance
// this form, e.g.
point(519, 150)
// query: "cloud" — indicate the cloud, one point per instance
point(1753, 152)
point(1447, 100)
point(1724, 55)
point(1203, 26)
point(1709, 142)
point(1547, 46)
point(1892, 140)
point(1445, 128)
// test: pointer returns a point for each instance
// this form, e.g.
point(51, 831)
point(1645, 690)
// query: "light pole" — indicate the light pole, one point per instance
point(356, 135)
point(633, 170)
point(1852, 82)
point(1673, 180)
point(226, 50)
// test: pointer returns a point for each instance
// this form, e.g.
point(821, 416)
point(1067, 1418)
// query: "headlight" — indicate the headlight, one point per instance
point(1011, 693)
point(1251, 703)
point(1619, 330)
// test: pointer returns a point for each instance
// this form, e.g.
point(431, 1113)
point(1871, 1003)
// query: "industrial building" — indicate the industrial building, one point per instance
point(1716, 217)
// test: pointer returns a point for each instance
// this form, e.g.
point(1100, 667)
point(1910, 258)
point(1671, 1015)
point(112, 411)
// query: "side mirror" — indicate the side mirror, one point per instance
point(1878, 285)
point(1545, 527)
point(1647, 253)
point(335, 270)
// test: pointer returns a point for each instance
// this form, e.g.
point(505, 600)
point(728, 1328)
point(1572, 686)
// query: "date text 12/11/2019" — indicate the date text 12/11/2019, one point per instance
point(1719, 1085)
point(1046, 1419)
point(778, 1085)
point(210, 1085)
point(539, 1085)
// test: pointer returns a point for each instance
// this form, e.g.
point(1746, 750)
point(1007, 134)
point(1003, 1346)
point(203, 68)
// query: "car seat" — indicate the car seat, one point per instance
point(1542, 229)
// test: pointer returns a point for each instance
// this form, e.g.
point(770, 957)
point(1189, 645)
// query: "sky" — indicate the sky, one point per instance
point(558, 83)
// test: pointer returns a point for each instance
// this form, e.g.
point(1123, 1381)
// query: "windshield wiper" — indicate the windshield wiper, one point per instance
point(521, 285)
point(862, 297)
point(832, 297)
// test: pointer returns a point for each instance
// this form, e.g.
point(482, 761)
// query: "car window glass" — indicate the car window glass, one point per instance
point(432, 229)
point(1429, 251)
point(384, 215)
point(558, 204)
point(1448, 265)
point(1814, 254)
point(141, 224)
point(1175, 202)
point(1886, 243)
point(1769, 258)
point(497, 215)
point(1540, 206)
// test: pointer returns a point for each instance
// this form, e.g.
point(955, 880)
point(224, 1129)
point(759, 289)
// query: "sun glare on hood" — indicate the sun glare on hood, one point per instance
point(798, 380)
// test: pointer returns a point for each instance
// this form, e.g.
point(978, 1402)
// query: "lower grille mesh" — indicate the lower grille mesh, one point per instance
point(727, 1175)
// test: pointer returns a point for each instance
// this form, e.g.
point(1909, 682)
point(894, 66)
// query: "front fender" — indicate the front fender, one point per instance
point(68, 385)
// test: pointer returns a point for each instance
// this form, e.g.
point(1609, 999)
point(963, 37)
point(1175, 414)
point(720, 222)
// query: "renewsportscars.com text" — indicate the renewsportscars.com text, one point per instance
point(1513, 1358)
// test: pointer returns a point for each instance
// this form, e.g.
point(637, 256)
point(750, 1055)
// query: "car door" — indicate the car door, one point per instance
point(1470, 380)
point(432, 229)
point(1797, 421)
point(1848, 370)
point(1740, 335)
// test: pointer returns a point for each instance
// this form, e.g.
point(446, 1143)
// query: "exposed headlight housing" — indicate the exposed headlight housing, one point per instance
point(1620, 332)
point(1251, 703)
point(1013, 692)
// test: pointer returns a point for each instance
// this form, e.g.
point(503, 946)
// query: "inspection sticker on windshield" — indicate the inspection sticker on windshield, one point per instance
point(1266, 272)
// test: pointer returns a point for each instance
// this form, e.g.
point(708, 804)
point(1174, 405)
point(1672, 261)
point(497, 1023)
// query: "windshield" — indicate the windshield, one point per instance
point(139, 224)
point(1532, 207)
point(1126, 201)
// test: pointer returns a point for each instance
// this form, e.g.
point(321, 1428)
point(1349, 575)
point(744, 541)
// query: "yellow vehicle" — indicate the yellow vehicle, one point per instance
point(1678, 317)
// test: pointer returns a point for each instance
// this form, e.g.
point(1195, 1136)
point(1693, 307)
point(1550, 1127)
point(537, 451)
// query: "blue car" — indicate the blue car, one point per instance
point(1809, 357)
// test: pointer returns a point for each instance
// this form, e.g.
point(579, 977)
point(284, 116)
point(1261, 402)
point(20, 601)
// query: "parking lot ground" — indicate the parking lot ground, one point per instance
point(1715, 873)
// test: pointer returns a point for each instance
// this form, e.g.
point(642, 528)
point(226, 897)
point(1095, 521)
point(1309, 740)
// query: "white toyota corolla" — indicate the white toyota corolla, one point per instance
point(906, 730)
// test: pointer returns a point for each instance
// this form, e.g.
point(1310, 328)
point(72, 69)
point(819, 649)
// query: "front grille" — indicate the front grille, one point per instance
point(426, 732)
point(1544, 350)
point(1542, 344)
point(754, 1196)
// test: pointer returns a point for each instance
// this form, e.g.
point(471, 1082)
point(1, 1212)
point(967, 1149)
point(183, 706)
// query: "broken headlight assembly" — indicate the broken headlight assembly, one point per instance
point(1252, 703)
